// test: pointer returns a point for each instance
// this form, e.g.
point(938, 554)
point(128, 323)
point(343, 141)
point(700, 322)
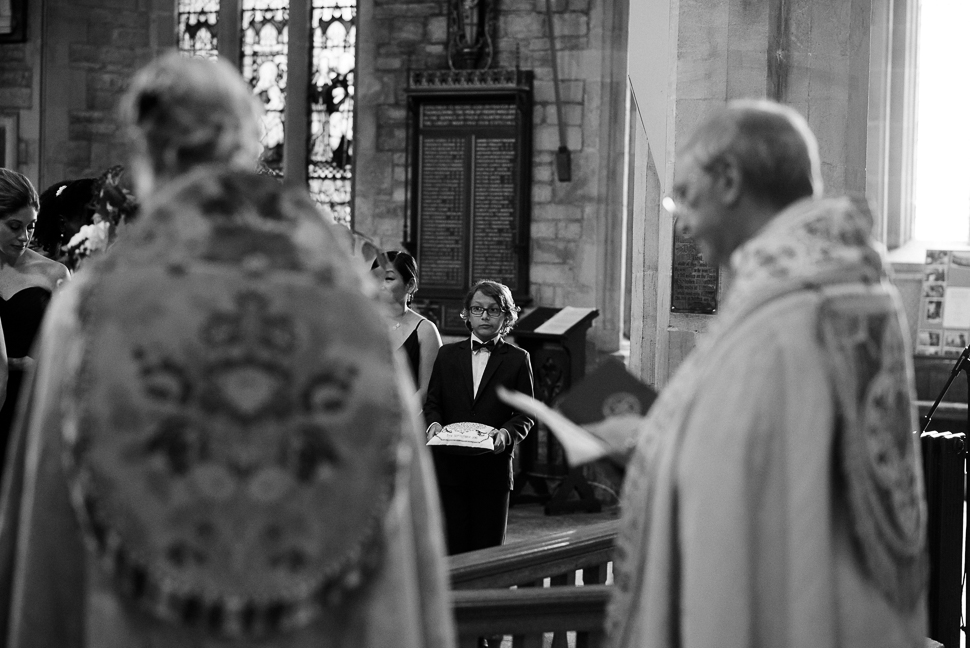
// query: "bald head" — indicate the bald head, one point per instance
point(771, 144)
point(742, 166)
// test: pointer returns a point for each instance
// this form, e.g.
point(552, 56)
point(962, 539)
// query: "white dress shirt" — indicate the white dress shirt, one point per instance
point(479, 360)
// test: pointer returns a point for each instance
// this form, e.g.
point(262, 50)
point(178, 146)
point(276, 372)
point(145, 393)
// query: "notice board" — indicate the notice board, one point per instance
point(944, 314)
point(470, 165)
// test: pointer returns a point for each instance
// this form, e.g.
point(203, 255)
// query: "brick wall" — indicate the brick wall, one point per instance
point(19, 92)
point(91, 49)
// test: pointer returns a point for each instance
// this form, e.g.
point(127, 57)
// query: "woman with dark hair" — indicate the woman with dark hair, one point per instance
point(65, 207)
point(78, 218)
point(417, 336)
point(27, 280)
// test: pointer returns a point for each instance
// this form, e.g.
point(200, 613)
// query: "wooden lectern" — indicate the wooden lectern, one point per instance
point(556, 341)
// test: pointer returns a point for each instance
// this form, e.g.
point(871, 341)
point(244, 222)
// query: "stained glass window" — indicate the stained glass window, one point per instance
point(263, 65)
point(333, 34)
point(197, 27)
point(264, 49)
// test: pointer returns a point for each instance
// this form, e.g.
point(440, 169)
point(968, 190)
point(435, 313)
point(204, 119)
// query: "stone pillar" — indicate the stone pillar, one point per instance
point(811, 54)
point(605, 119)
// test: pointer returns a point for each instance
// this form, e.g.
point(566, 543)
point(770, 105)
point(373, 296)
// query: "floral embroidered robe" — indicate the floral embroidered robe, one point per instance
point(775, 495)
point(58, 587)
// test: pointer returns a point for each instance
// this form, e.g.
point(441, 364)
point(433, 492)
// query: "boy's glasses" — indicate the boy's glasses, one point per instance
point(493, 311)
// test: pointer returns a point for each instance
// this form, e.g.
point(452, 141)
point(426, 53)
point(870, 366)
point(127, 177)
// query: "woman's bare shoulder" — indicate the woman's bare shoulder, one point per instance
point(54, 271)
point(427, 331)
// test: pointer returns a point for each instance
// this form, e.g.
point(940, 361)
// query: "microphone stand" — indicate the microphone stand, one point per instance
point(962, 364)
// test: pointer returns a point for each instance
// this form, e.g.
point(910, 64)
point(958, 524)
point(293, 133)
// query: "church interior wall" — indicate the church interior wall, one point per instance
point(66, 80)
point(577, 226)
point(685, 58)
point(20, 65)
point(91, 48)
point(811, 54)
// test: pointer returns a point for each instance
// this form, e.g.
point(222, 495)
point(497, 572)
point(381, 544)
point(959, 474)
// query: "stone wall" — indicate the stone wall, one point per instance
point(811, 54)
point(576, 226)
point(90, 50)
point(20, 92)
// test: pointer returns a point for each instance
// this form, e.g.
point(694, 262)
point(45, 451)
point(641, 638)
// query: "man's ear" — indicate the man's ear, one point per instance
point(731, 180)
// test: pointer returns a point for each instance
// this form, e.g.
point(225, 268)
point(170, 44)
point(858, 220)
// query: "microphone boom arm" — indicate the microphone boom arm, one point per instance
point(962, 364)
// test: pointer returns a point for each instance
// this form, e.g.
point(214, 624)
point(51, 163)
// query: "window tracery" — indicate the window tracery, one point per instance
point(197, 24)
point(263, 65)
point(263, 51)
point(334, 35)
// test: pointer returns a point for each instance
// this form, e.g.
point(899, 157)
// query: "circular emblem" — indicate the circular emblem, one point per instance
point(621, 403)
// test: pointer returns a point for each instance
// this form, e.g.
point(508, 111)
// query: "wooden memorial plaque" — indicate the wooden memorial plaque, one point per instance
point(471, 177)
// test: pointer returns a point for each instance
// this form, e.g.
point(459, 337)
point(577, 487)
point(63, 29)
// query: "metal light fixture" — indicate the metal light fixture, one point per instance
point(471, 26)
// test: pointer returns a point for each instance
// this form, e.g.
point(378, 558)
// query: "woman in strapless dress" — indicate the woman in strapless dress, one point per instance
point(417, 336)
point(27, 280)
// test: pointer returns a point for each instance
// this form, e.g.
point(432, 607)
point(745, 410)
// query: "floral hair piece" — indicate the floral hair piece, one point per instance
point(113, 206)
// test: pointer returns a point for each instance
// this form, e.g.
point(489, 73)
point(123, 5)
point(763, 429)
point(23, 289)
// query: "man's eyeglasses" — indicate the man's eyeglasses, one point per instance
point(676, 200)
point(493, 311)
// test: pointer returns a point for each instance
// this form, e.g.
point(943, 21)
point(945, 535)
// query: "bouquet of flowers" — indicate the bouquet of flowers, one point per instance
point(113, 205)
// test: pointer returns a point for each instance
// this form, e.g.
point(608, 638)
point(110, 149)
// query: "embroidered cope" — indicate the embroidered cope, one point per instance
point(775, 494)
point(206, 459)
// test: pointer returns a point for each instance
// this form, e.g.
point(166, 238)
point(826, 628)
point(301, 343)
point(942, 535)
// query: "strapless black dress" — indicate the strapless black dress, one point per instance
point(20, 317)
point(412, 349)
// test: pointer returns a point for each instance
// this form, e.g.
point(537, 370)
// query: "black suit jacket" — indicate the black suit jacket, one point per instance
point(450, 400)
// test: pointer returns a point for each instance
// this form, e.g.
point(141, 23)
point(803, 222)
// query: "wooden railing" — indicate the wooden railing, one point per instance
point(527, 614)
point(545, 573)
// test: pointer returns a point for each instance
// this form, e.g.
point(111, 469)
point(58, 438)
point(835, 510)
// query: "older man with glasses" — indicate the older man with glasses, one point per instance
point(773, 494)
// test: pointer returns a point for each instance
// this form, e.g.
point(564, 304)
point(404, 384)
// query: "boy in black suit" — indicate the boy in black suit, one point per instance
point(475, 488)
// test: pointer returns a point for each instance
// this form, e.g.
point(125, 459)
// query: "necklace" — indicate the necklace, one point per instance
point(396, 326)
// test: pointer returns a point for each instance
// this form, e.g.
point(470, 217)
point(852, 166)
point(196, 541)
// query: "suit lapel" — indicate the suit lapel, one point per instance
point(494, 360)
point(465, 367)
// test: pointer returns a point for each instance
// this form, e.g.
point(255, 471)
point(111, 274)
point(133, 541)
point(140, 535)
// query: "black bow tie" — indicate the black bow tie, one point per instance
point(478, 346)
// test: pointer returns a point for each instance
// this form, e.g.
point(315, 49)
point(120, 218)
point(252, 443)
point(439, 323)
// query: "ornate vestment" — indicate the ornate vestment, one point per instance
point(220, 445)
point(775, 496)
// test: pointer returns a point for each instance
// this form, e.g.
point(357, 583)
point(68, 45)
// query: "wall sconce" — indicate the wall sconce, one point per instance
point(471, 25)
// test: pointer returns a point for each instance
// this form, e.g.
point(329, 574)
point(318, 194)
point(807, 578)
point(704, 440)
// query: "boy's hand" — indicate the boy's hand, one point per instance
point(500, 440)
point(433, 430)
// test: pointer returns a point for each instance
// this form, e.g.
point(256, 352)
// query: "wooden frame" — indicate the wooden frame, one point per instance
point(17, 32)
point(8, 141)
point(475, 110)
